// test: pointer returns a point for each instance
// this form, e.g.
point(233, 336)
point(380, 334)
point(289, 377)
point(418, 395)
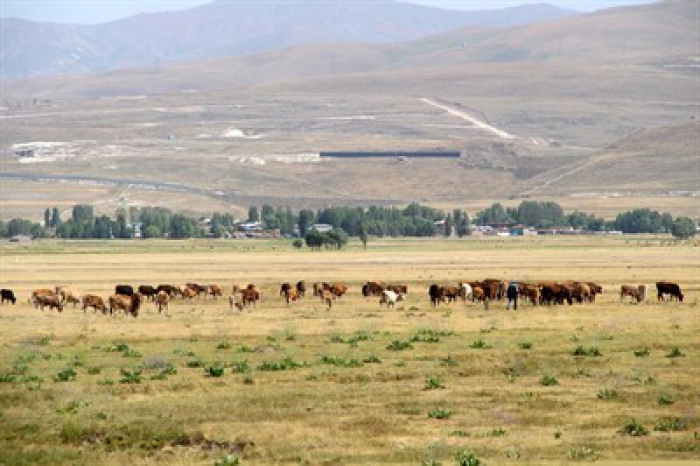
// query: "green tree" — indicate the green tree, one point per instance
point(55, 217)
point(363, 236)
point(152, 231)
point(683, 228)
point(3, 229)
point(253, 215)
point(47, 218)
point(306, 219)
point(313, 239)
point(447, 231)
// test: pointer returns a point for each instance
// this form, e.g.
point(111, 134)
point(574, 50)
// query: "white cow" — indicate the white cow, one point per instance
point(467, 292)
point(390, 298)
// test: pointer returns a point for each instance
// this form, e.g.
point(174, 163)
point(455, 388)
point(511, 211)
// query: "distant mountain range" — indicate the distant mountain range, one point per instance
point(233, 28)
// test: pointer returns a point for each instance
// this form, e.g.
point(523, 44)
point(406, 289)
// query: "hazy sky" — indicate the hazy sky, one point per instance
point(96, 11)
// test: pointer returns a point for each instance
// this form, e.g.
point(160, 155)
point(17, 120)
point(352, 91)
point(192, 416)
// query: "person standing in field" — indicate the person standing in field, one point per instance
point(512, 295)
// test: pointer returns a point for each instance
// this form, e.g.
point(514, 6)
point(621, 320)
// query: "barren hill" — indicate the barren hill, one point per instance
point(229, 28)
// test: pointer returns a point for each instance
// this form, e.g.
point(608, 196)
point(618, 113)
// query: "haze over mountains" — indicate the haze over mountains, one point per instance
point(577, 107)
point(226, 28)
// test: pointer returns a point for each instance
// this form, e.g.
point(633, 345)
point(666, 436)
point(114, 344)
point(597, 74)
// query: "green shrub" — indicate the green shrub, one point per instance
point(433, 383)
point(525, 345)
point(467, 458)
point(675, 353)
point(283, 365)
point(7, 378)
point(195, 363)
point(641, 353)
point(223, 345)
point(440, 413)
point(608, 394)
point(215, 371)
point(66, 375)
point(240, 367)
point(130, 376)
point(664, 400)
point(479, 344)
point(94, 370)
point(590, 351)
point(499, 432)
point(634, 429)
point(397, 345)
point(549, 380)
point(372, 359)
point(459, 433)
point(340, 362)
point(670, 425)
point(580, 454)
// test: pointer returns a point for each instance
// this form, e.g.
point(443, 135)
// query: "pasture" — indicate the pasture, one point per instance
point(356, 384)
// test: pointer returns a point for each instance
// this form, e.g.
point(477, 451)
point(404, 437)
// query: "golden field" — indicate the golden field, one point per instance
point(305, 385)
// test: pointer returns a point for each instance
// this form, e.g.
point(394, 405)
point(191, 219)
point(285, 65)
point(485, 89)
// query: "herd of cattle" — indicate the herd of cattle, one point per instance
point(129, 300)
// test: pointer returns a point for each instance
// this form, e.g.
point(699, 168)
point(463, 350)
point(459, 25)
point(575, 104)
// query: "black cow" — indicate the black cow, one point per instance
point(148, 291)
point(8, 295)
point(170, 289)
point(435, 292)
point(125, 290)
point(668, 288)
point(301, 289)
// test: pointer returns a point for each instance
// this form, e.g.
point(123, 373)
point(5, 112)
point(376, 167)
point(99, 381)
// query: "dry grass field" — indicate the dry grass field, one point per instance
point(357, 384)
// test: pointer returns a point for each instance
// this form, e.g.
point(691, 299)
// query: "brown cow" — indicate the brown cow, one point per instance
point(478, 294)
point(249, 296)
point(51, 300)
point(290, 296)
point(215, 290)
point(301, 288)
point(372, 289)
point(449, 294)
point(128, 304)
point(285, 288)
point(188, 293)
point(327, 298)
point(398, 289)
point(337, 290)
point(67, 295)
point(95, 302)
point(162, 300)
point(595, 288)
point(636, 292)
point(530, 292)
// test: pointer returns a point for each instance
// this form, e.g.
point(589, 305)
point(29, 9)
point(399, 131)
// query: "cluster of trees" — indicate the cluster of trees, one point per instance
point(413, 220)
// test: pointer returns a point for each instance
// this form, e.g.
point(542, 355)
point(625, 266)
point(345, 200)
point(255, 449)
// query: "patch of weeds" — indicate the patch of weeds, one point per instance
point(214, 371)
point(117, 348)
point(499, 432)
point(440, 413)
point(7, 378)
point(606, 337)
point(557, 435)
point(283, 365)
point(130, 376)
point(240, 367)
point(401, 363)
point(94, 370)
point(245, 349)
point(670, 425)
point(575, 338)
point(372, 359)
point(72, 407)
point(459, 433)
point(398, 345)
point(195, 363)
point(664, 400)
point(549, 380)
point(645, 379)
point(425, 339)
point(431, 462)
point(513, 454)
point(525, 345)
point(131, 353)
point(479, 344)
point(340, 362)
point(224, 345)
point(228, 460)
point(641, 353)
point(633, 429)
point(581, 454)
point(590, 351)
point(169, 369)
point(581, 372)
point(433, 383)
point(608, 394)
point(449, 361)
point(181, 352)
point(467, 458)
point(65, 375)
point(675, 353)
point(106, 382)
point(248, 379)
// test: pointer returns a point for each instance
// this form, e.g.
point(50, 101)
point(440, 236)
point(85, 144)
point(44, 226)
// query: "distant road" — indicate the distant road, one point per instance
point(465, 116)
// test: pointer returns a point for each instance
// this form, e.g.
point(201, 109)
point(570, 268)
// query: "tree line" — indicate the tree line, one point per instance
point(414, 220)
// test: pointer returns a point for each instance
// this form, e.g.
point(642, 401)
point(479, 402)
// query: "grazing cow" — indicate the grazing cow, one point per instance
point(215, 291)
point(198, 289)
point(494, 288)
point(7, 295)
point(399, 289)
point(290, 296)
point(530, 292)
point(512, 295)
point(95, 302)
point(40, 293)
point(124, 290)
point(449, 294)
point(67, 296)
point(161, 300)
point(390, 298)
point(466, 291)
point(372, 289)
point(250, 296)
point(128, 304)
point(188, 293)
point(555, 293)
point(637, 293)
point(673, 290)
point(50, 300)
point(337, 290)
point(284, 289)
point(301, 288)
point(478, 293)
point(148, 291)
point(596, 289)
point(170, 289)
point(435, 293)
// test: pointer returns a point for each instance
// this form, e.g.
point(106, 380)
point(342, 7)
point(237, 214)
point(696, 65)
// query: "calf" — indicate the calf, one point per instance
point(8, 295)
point(162, 299)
